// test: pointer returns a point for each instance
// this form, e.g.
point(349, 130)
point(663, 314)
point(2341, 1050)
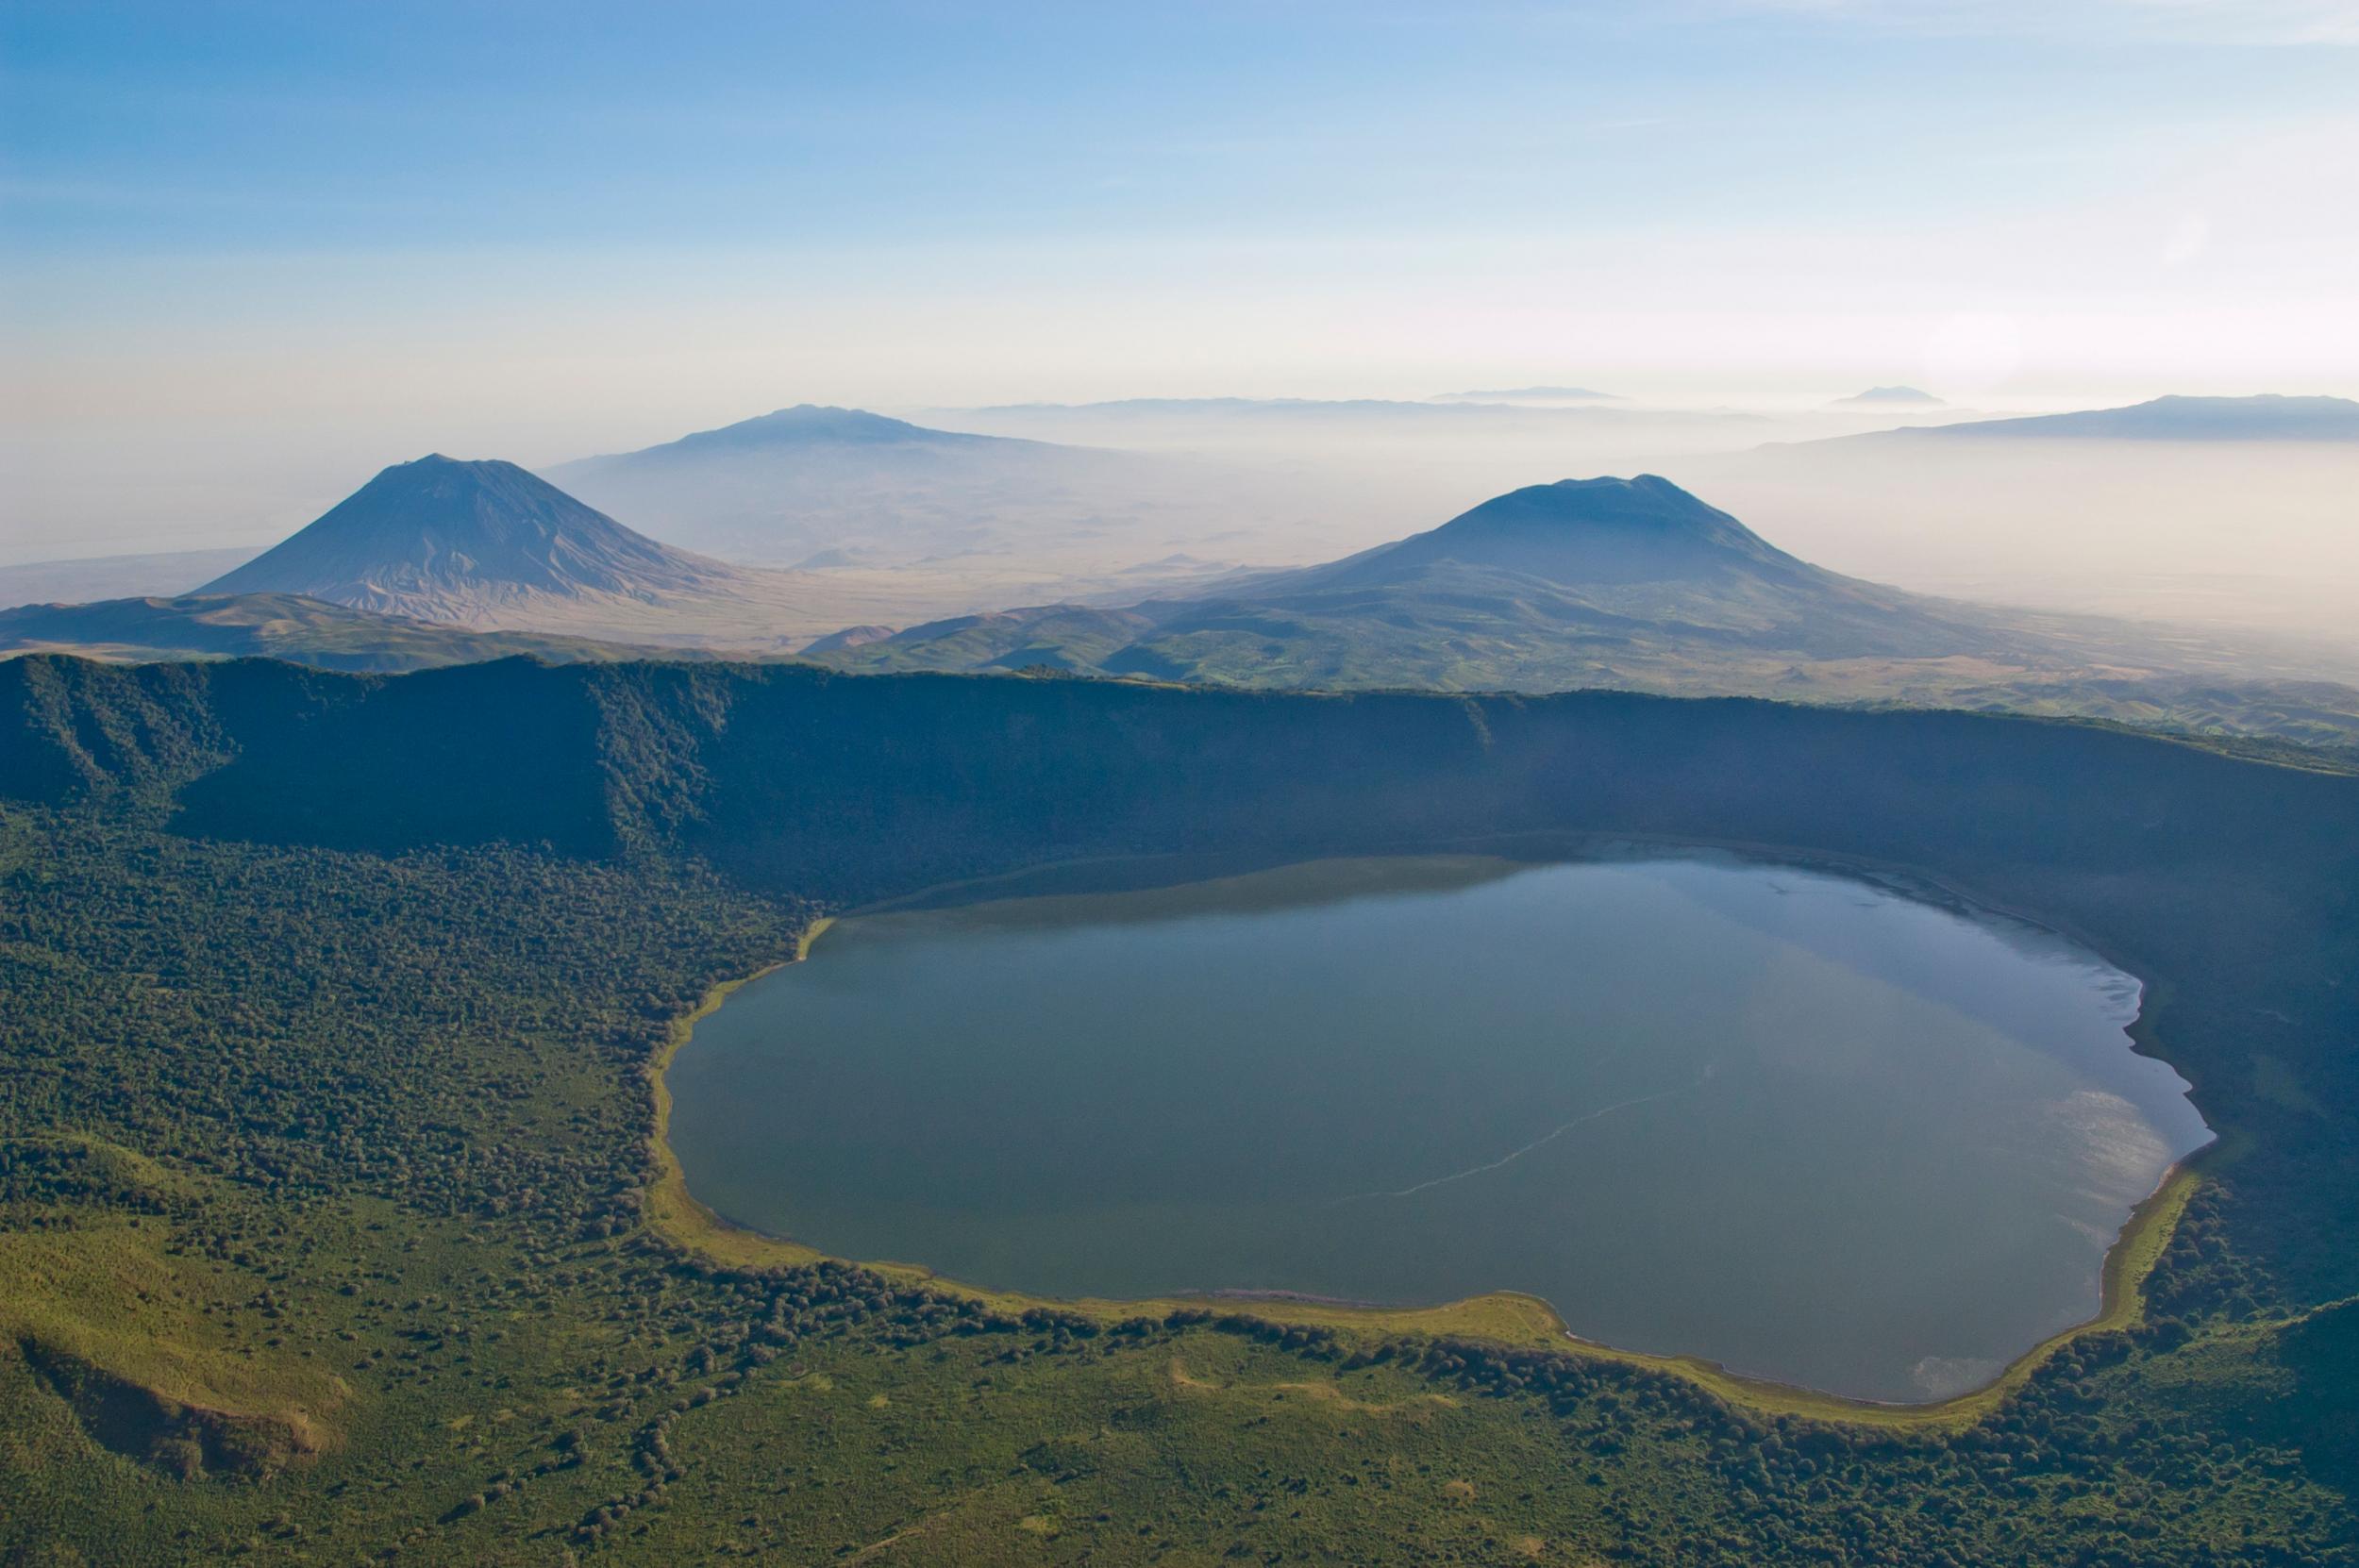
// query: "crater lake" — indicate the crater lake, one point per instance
point(1816, 1124)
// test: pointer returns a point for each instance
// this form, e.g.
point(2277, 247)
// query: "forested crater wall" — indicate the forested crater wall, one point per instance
point(854, 785)
point(2227, 884)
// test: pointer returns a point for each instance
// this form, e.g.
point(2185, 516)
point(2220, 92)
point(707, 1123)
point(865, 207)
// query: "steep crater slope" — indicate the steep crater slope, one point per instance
point(2226, 884)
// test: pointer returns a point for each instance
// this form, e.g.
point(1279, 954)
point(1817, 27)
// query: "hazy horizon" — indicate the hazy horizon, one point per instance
point(254, 254)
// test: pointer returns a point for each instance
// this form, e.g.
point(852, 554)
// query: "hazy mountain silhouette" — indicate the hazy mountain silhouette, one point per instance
point(1459, 410)
point(1533, 574)
point(1580, 532)
point(846, 486)
point(1889, 397)
point(1530, 394)
point(2267, 417)
point(1630, 583)
point(490, 547)
point(804, 424)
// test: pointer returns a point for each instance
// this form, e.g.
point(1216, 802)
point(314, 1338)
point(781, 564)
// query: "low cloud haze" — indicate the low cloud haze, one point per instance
point(254, 255)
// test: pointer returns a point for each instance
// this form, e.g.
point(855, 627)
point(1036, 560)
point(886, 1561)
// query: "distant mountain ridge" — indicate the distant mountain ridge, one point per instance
point(1889, 397)
point(1632, 583)
point(1461, 408)
point(488, 546)
point(833, 486)
point(1536, 573)
point(1530, 394)
point(2268, 416)
point(804, 424)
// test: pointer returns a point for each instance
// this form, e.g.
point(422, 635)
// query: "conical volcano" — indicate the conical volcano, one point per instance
point(1587, 532)
point(443, 539)
point(1630, 582)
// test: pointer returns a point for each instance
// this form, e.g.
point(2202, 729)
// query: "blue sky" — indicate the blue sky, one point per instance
point(145, 130)
point(560, 226)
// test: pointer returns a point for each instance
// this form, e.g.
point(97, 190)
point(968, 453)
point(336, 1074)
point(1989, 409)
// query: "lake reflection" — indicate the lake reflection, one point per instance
point(1804, 1124)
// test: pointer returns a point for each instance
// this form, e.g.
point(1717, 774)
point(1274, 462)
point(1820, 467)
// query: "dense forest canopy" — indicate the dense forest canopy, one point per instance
point(329, 1002)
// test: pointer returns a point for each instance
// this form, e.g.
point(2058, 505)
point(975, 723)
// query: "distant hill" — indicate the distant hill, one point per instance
point(1073, 638)
point(1473, 432)
point(277, 625)
point(1530, 394)
point(1589, 533)
point(1632, 584)
point(443, 539)
point(1889, 397)
point(490, 547)
point(850, 637)
point(804, 424)
point(826, 485)
point(2267, 417)
point(1464, 408)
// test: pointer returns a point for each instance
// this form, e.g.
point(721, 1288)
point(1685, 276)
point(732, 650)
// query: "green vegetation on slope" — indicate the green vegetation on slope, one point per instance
point(281, 626)
point(323, 1166)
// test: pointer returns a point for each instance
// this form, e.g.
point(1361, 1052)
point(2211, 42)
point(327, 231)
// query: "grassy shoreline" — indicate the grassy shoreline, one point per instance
point(670, 1210)
point(1509, 1318)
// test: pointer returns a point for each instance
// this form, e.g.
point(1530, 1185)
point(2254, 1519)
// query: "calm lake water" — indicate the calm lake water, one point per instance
point(1812, 1126)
